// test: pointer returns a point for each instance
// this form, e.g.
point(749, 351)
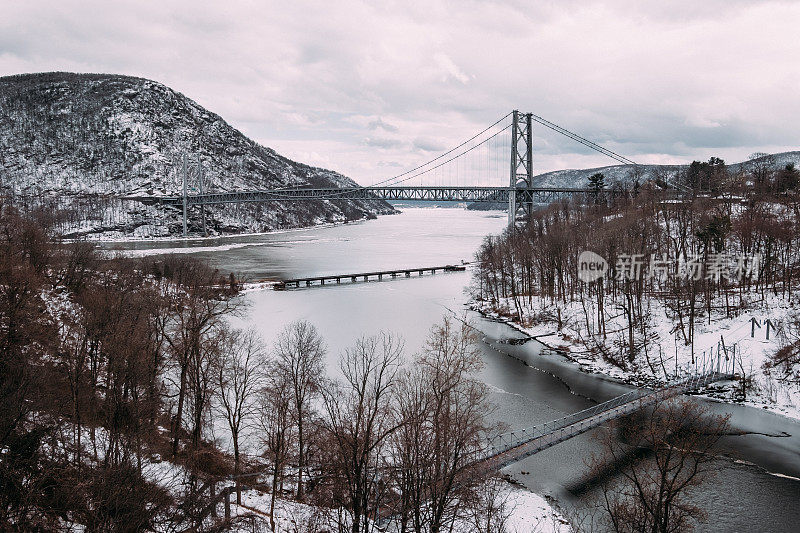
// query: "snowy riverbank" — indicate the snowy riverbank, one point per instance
point(663, 355)
point(190, 243)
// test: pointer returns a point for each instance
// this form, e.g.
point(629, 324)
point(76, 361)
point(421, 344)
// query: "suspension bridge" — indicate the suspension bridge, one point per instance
point(475, 171)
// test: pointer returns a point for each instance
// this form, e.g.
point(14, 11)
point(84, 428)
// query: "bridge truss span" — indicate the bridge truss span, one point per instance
point(420, 193)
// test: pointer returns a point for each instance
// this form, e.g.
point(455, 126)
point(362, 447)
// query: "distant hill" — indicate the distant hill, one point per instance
point(625, 174)
point(77, 141)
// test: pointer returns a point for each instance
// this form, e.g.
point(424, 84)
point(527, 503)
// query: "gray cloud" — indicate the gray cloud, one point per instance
point(382, 142)
point(660, 82)
point(379, 123)
point(429, 145)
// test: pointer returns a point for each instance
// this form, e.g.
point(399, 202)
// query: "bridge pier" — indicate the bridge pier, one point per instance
point(521, 160)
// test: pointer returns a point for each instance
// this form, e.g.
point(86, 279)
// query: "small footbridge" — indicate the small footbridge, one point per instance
point(507, 448)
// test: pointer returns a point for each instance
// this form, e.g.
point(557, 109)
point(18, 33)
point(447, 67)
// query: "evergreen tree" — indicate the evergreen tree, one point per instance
point(597, 184)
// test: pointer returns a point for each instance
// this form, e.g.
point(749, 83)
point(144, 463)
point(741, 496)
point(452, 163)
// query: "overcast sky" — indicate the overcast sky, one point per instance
point(371, 88)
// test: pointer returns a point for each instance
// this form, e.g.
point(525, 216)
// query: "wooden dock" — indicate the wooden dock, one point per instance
point(363, 276)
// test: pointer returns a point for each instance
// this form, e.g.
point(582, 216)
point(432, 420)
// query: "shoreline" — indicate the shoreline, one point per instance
point(200, 238)
point(591, 366)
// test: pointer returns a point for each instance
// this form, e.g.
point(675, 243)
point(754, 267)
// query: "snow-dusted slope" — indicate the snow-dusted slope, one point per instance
point(79, 140)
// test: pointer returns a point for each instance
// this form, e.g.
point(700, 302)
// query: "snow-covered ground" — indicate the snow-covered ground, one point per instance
point(531, 512)
point(666, 352)
point(525, 512)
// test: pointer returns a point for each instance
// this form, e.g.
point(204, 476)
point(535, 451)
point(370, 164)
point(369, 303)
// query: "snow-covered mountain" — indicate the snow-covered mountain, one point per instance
point(80, 141)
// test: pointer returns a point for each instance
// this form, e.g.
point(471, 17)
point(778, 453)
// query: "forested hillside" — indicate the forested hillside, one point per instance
point(623, 177)
point(684, 275)
point(627, 175)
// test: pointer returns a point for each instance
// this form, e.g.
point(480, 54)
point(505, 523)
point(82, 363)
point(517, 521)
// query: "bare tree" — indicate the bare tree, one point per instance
point(197, 307)
point(203, 364)
point(649, 491)
point(25, 333)
point(489, 508)
point(237, 379)
point(410, 447)
point(358, 420)
point(276, 426)
point(456, 423)
point(73, 355)
point(300, 353)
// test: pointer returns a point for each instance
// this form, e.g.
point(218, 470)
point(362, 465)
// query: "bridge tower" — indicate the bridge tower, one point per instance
point(521, 165)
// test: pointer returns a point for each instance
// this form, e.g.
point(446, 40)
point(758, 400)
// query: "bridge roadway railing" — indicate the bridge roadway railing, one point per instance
point(424, 193)
point(510, 447)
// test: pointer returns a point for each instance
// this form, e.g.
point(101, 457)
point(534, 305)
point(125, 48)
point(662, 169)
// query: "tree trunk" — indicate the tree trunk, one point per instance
point(236, 468)
point(176, 426)
point(272, 500)
point(300, 455)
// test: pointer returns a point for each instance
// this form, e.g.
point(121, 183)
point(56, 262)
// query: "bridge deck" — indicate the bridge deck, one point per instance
point(439, 194)
point(533, 440)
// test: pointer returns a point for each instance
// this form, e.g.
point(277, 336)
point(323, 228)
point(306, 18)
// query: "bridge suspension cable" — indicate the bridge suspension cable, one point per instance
point(387, 180)
point(493, 160)
point(584, 141)
point(482, 143)
point(442, 166)
point(412, 173)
